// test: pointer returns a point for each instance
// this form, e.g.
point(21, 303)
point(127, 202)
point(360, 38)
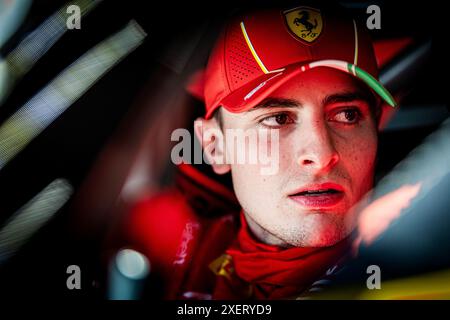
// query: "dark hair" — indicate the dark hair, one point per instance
point(374, 104)
point(218, 116)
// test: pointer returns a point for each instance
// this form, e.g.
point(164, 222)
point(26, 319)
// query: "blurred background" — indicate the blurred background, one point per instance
point(86, 117)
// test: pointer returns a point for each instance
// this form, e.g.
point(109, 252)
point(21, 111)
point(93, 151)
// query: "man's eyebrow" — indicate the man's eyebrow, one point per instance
point(347, 97)
point(277, 103)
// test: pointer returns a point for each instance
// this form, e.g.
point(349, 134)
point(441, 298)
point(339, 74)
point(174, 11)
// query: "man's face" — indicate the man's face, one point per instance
point(327, 150)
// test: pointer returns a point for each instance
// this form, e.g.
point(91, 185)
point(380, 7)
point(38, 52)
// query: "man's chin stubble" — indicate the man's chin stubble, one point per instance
point(300, 237)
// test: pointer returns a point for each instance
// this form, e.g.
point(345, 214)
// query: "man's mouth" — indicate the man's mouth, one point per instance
point(314, 193)
point(319, 196)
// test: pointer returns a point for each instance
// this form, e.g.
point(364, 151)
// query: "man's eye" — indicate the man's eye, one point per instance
point(347, 116)
point(277, 120)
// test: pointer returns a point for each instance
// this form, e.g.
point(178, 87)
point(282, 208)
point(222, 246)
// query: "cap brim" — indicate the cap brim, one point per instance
point(256, 91)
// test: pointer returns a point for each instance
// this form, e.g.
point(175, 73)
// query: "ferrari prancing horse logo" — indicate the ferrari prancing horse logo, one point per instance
point(304, 22)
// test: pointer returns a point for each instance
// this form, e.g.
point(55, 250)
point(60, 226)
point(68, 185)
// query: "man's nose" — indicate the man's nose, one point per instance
point(318, 153)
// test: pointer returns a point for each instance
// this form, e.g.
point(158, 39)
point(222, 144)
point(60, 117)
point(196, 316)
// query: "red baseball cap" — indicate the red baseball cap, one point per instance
point(258, 52)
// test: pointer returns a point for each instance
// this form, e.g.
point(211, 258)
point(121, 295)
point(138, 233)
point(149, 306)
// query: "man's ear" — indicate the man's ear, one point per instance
point(211, 139)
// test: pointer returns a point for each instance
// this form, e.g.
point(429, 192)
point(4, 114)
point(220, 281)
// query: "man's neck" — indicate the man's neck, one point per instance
point(262, 234)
